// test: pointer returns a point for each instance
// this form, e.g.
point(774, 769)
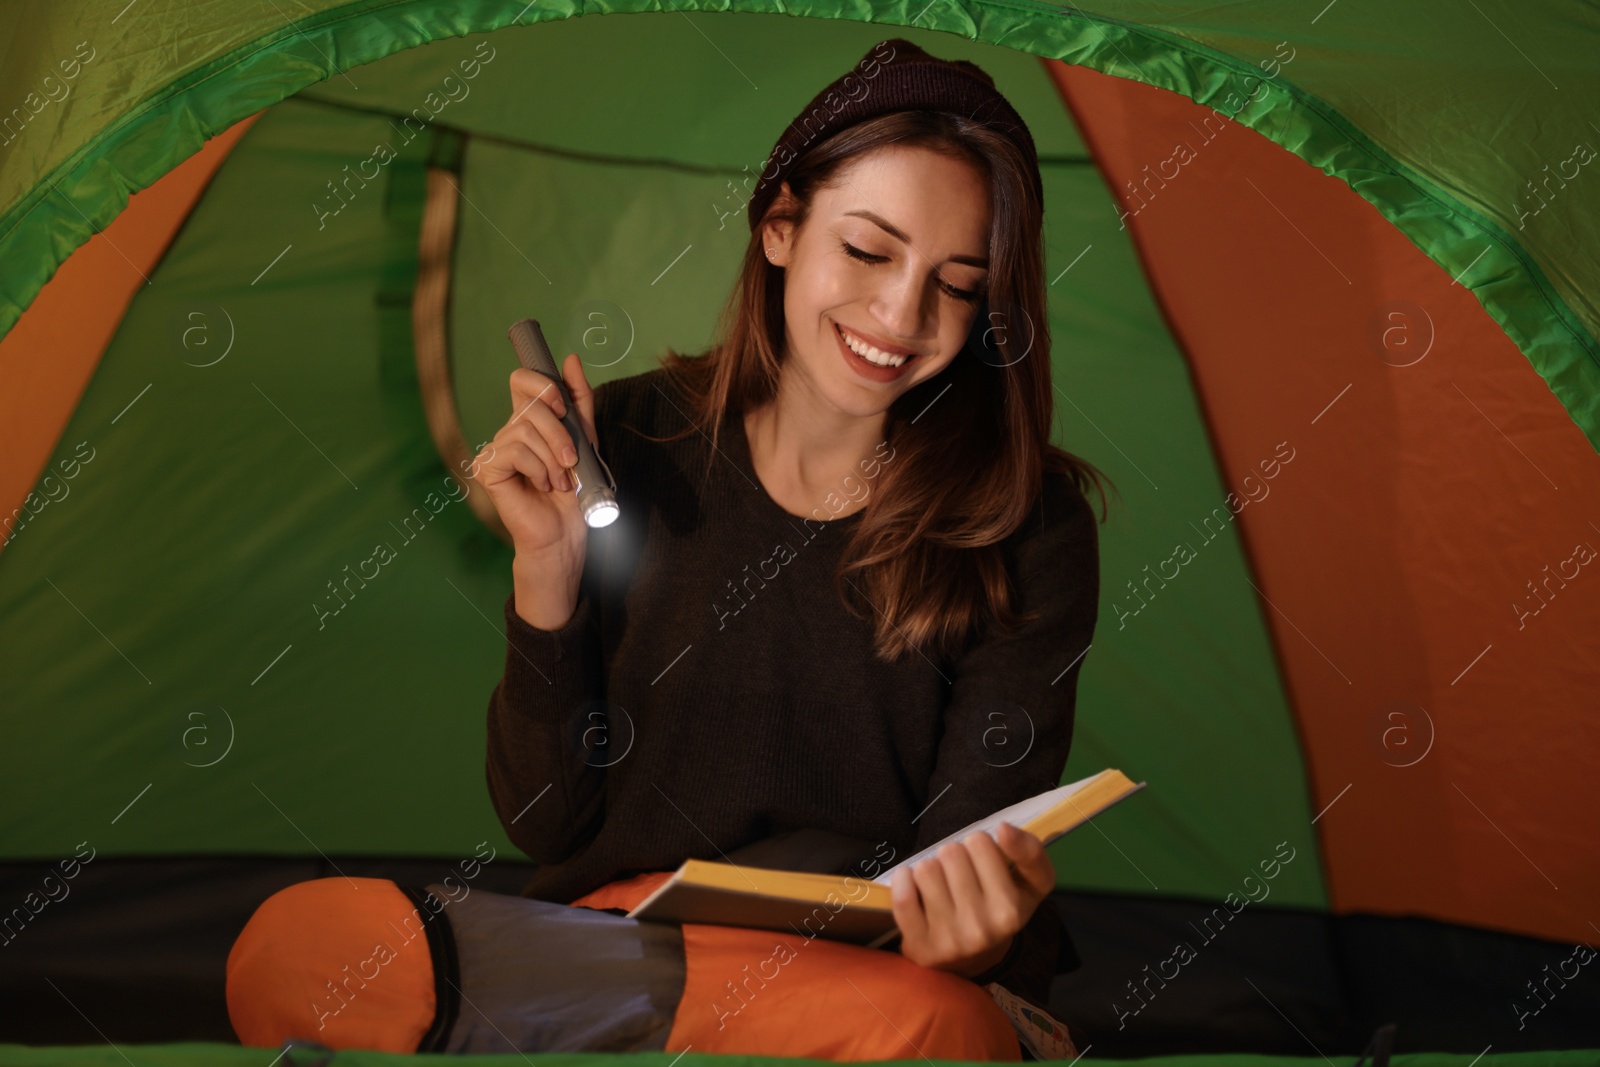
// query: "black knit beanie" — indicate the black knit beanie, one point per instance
point(895, 75)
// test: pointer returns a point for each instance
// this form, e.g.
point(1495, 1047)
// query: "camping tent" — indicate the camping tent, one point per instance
point(1325, 306)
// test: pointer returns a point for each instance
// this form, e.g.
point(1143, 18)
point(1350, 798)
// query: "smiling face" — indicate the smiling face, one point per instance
point(921, 221)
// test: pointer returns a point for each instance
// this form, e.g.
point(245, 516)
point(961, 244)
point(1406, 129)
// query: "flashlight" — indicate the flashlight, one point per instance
point(597, 496)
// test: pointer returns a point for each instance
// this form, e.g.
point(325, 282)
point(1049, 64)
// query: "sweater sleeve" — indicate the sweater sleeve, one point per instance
point(1007, 727)
point(547, 726)
point(547, 789)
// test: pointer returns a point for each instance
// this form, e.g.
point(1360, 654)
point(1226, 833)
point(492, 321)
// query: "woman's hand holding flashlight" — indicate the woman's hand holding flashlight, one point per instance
point(525, 472)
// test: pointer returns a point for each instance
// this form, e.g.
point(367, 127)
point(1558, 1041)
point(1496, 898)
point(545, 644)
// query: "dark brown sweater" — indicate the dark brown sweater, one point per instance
point(711, 693)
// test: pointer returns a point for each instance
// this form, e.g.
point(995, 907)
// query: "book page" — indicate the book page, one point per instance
point(1016, 815)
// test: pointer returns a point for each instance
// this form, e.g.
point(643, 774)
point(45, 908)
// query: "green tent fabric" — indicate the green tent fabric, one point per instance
point(361, 734)
point(418, 648)
point(1381, 125)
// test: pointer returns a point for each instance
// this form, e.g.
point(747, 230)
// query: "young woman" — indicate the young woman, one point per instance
point(842, 616)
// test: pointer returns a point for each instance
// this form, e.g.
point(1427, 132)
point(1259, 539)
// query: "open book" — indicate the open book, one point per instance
point(845, 907)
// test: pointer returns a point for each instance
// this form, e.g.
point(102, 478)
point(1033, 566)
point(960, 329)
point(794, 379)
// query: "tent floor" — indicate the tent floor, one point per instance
point(139, 947)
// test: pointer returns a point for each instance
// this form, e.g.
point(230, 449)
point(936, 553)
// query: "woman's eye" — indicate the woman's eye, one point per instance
point(855, 253)
point(968, 295)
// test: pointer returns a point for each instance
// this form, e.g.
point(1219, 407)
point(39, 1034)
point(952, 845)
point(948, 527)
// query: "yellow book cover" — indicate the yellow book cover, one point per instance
point(844, 907)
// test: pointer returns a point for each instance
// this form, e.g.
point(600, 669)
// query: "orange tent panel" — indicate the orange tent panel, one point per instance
point(1441, 668)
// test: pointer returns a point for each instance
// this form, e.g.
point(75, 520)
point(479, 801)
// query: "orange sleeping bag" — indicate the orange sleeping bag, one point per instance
point(360, 963)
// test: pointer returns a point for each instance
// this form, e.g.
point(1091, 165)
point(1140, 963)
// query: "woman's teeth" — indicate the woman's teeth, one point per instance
point(868, 353)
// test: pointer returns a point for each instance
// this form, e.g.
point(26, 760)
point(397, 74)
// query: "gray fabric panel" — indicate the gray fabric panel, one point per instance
point(543, 977)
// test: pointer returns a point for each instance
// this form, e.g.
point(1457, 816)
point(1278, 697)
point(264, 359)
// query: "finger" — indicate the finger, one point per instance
point(493, 465)
point(1033, 864)
point(515, 458)
point(967, 893)
point(993, 866)
point(549, 426)
point(582, 395)
point(529, 386)
point(532, 438)
point(934, 889)
point(908, 911)
point(1006, 903)
point(986, 898)
point(481, 460)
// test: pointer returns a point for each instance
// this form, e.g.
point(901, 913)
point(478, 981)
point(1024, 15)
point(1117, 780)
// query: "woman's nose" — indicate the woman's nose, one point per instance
point(901, 307)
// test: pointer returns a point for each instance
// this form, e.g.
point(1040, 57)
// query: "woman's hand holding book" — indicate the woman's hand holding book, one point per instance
point(959, 909)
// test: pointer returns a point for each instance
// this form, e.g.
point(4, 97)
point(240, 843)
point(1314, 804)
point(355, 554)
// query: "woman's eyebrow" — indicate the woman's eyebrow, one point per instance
point(894, 231)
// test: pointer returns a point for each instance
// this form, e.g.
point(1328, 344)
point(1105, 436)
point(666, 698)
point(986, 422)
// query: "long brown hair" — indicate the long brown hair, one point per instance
point(926, 560)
